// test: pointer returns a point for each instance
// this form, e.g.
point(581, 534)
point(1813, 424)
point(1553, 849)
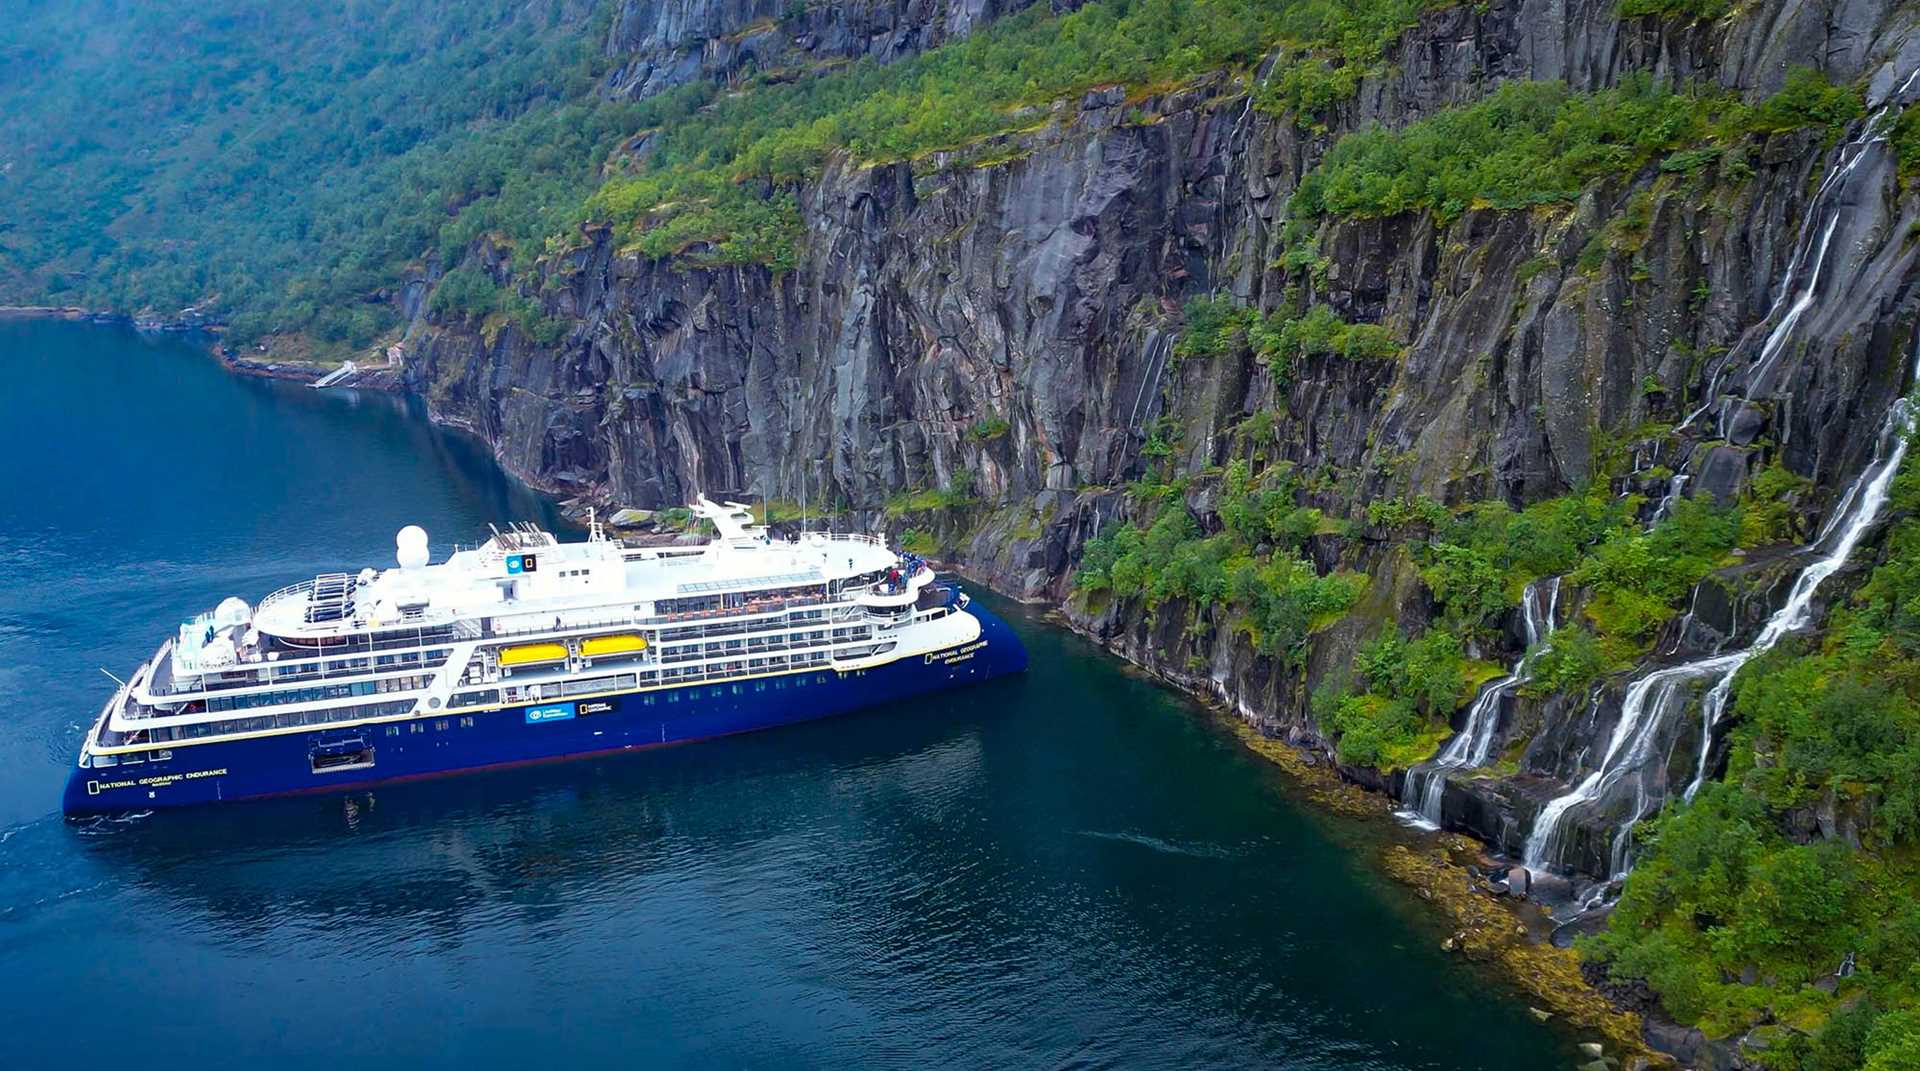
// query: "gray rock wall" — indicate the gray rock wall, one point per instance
point(1044, 289)
point(660, 44)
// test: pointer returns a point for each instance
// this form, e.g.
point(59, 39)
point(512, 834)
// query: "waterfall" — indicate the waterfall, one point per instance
point(1675, 488)
point(1792, 302)
point(1157, 348)
point(1650, 698)
point(1633, 759)
point(1472, 746)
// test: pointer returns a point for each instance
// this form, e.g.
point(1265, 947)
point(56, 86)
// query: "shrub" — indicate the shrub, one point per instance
point(1692, 10)
point(466, 292)
point(1569, 663)
point(1411, 686)
point(1807, 99)
point(1530, 143)
point(1905, 137)
point(987, 429)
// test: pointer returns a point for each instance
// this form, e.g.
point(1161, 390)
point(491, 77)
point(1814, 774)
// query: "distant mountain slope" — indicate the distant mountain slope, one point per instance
point(159, 154)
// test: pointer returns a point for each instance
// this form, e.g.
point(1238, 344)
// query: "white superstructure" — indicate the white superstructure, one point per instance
point(524, 618)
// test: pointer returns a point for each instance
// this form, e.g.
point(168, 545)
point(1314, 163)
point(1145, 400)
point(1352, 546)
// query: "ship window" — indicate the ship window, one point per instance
point(759, 686)
point(739, 689)
point(440, 725)
point(416, 727)
point(466, 721)
point(393, 730)
point(820, 679)
point(800, 682)
point(714, 691)
point(673, 697)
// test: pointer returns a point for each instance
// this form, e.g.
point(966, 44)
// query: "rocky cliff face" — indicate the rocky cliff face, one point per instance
point(1038, 280)
point(658, 46)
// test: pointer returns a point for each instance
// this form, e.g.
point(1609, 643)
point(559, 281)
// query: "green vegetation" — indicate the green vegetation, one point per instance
point(286, 176)
point(1906, 142)
point(471, 292)
point(987, 429)
point(1767, 512)
point(1252, 566)
point(1637, 578)
point(1476, 562)
point(957, 495)
point(704, 182)
point(1219, 326)
point(1807, 99)
point(1570, 662)
point(284, 162)
point(1411, 688)
point(1691, 10)
point(1532, 143)
point(1736, 915)
point(915, 541)
point(1480, 559)
point(1311, 80)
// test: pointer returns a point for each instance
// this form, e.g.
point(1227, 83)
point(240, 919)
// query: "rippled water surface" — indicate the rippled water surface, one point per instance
point(1070, 869)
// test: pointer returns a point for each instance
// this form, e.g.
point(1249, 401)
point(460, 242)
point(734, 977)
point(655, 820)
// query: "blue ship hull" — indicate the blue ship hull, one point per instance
point(426, 747)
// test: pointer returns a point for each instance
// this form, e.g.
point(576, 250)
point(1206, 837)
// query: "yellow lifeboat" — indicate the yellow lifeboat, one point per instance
point(532, 654)
point(620, 643)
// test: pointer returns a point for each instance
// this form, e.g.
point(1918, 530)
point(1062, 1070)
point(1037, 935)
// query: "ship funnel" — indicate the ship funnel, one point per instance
point(410, 547)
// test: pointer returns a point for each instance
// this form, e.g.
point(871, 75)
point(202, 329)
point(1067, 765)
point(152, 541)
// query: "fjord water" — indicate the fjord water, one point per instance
point(1074, 868)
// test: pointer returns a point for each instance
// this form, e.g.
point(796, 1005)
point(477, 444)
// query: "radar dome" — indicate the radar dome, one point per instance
point(232, 610)
point(410, 547)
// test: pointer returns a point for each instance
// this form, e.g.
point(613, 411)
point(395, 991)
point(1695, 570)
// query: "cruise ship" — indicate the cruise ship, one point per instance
point(525, 649)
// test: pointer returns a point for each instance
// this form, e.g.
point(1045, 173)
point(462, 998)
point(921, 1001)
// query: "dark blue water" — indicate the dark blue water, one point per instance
point(1072, 869)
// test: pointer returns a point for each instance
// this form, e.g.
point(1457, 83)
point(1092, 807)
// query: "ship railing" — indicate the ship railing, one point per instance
point(804, 644)
point(854, 537)
point(729, 619)
point(288, 592)
point(267, 674)
point(691, 633)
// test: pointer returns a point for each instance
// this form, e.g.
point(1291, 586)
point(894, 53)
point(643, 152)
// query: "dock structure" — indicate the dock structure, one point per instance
point(346, 369)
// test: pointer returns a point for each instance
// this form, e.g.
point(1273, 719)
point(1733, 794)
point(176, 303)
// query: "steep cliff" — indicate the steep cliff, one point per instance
point(658, 46)
point(982, 345)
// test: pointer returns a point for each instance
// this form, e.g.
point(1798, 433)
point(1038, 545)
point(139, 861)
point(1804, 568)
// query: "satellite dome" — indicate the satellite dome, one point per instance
point(410, 547)
point(232, 610)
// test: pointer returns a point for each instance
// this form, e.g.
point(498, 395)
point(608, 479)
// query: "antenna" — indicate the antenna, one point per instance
point(111, 677)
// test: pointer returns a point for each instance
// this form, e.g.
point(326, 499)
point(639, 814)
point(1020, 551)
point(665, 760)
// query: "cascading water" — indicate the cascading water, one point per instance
point(1633, 759)
point(1650, 698)
point(1472, 746)
point(1676, 487)
point(1799, 285)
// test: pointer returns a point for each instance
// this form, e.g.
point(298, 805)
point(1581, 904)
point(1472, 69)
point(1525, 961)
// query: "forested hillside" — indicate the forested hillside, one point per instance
point(282, 163)
point(283, 167)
